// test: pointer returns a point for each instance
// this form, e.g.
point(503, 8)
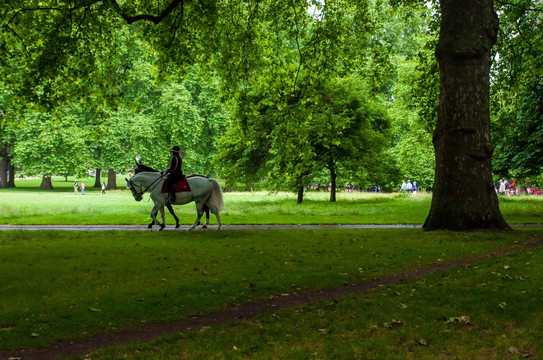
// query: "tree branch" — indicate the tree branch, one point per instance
point(503, 3)
point(152, 18)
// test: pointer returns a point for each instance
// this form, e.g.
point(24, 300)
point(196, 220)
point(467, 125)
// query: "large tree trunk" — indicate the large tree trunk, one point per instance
point(300, 198)
point(333, 177)
point(11, 179)
point(464, 196)
point(4, 167)
point(97, 181)
point(46, 183)
point(111, 180)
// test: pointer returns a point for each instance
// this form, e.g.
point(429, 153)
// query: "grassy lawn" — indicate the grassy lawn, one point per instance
point(63, 285)
point(491, 310)
point(26, 205)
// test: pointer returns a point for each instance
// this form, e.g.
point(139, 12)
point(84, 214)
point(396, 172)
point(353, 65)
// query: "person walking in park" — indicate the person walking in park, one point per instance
point(404, 187)
point(103, 188)
point(175, 172)
point(82, 188)
point(76, 185)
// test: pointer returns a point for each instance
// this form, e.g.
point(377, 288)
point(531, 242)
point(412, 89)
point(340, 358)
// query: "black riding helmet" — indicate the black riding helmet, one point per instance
point(175, 149)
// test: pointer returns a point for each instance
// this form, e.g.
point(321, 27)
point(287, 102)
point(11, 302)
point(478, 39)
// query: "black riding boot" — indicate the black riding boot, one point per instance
point(171, 190)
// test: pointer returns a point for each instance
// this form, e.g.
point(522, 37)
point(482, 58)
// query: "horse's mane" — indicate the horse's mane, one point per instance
point(142, 168)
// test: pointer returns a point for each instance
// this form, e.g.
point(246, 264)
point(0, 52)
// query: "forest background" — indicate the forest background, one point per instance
point(339, 92)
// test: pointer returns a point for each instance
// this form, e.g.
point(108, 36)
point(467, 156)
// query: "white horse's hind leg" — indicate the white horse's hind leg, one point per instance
point(215, 211)
point(163, 224)
point(199, 213)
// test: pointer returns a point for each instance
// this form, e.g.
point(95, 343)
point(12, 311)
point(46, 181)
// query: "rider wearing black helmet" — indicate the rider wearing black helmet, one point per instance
point(175, 172)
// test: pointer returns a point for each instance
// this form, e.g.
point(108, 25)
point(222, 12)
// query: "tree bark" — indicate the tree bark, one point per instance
point(333, 177)
point(11, 179)
point(111, 179)
point(464, 196)
point(4, 167)
point(300, 198)
point(97, 180)
point(46, 183)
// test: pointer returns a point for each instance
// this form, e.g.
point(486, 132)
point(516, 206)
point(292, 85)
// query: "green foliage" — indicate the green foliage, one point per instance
point(517, 92)
point(51, 144)
point(298, 112)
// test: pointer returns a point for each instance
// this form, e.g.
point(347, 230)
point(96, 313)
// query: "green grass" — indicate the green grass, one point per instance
point(490, 310)
point(27, 205)
point(58, 285)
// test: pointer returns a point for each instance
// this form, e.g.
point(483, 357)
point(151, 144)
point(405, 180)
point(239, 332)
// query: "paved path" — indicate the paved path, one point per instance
point(224, 227)
point(211, 227)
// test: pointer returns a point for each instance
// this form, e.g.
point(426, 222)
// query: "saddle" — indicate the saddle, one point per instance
point(182, 185)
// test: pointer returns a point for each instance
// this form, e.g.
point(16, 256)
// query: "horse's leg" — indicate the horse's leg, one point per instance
point(199, 213)
point(170, 209)
point(150, 226)
point(215, 212)
point(163, 225)
point(206, 210)
point(154, 212)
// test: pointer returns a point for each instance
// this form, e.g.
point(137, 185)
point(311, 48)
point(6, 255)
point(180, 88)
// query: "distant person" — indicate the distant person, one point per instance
point(415, 188)
point(404, 187)
point(501, 189)
point(103, 188)
point(75, 187)
point(82, 188)
point(409, 186)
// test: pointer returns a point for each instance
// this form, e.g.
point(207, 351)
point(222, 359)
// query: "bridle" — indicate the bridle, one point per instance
point(135, 191)
point(141, 191)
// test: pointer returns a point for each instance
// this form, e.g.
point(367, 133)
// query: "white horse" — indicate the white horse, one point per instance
point(203, 191)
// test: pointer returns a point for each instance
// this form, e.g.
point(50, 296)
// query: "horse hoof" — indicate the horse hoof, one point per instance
point(177, 226)
point(149, 226)
point(204, 226)
point(190, 228)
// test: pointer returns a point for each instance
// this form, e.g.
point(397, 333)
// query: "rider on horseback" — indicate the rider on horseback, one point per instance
point(174, 173)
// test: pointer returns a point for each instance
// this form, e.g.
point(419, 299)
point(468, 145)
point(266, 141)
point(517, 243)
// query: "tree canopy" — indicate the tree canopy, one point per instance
point(302, 92)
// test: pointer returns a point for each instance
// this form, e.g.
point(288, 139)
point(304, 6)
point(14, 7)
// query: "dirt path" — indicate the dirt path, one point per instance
point(80, 347)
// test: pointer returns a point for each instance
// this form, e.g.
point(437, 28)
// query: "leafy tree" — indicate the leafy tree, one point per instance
point(414, 96)
point(51, 144)
point(517, 91)
point(293, 126)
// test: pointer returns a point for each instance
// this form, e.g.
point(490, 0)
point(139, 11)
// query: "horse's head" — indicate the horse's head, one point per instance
point(137, 190)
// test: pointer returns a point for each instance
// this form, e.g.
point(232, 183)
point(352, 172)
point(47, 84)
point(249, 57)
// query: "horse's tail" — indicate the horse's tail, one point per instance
point(216, 195)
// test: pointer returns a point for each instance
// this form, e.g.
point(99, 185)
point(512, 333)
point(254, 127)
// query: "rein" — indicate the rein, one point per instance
point(149, 188)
